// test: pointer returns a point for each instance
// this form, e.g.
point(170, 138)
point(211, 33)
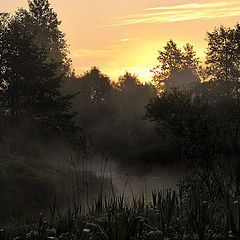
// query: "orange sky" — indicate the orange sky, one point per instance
point(126, 35)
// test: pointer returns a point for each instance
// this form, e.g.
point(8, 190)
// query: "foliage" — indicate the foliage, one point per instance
point(47, 34)
point(169, 215)
point(111, 114)
point(204, 139)
point(95, 87)
point(223, 88)
point(31, 96)
point(127, 81)
point(174, 61)
point(223, 54)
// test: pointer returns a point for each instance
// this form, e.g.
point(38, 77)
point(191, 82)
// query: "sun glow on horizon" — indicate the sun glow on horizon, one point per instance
point(126, 36)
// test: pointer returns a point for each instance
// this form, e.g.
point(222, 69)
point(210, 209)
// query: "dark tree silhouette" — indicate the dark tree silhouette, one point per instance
point(133, 96)
point(95, 87)
point(127, 81)
point(193, 122)
point(31, 98)
point(94, 91)
point(131, 130)
point(48, 35)
point(223, 59)
point(173, 60)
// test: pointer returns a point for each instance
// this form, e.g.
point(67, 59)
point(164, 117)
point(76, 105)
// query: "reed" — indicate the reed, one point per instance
point(165, 216)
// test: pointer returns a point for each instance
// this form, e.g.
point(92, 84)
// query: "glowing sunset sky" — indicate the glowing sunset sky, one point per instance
point(125, 35)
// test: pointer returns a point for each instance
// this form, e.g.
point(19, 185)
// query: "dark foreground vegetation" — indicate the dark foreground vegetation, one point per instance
point(189, 115)
point(169, 215)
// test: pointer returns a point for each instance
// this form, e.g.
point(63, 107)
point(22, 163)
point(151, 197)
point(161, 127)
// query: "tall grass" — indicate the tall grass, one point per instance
point(165, 216)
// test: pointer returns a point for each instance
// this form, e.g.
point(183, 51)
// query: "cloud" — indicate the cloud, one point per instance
point(128, 39)
point(94, 52)
point(193, 6)
point(184, 12)
point(125, 39)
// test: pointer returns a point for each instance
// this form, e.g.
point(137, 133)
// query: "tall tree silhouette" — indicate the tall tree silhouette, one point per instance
point(173, 60)
point(223, 59)
point(93, 91)
point(47, 33)
point(31, 98)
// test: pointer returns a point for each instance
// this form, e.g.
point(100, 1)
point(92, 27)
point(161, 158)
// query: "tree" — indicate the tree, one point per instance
point(95, 87)
point(223, 59)
point(193, 122)
point(48, 35)
point(129, 129)
point(174, 61)
point(127, 81)
point(31, 98)
point(132, 95)
point(93, 92)
point(180, 111)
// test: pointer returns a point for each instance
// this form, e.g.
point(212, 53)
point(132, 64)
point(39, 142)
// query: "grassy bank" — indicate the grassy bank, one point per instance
point(169, 214)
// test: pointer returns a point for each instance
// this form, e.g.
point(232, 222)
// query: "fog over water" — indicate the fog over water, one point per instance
point(133, 182)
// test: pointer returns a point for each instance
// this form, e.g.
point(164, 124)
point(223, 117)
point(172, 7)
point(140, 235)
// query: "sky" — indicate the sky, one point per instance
point(125, 35)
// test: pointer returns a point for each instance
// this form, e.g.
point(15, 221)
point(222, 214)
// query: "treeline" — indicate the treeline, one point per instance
point(41, 97)
point(111, 114)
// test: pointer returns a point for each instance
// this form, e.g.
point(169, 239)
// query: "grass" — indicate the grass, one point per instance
point(165, 217)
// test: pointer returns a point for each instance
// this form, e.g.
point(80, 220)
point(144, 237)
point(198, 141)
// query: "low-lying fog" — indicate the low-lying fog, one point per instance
point(128, 181)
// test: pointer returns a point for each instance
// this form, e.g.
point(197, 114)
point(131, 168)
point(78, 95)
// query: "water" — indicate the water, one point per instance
point(135, 184)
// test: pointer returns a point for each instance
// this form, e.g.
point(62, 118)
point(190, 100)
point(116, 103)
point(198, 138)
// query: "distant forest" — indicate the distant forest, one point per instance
point(188, 114)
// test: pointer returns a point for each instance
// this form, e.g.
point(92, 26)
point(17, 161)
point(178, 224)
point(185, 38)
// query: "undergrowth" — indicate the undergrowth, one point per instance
point(168, 215)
